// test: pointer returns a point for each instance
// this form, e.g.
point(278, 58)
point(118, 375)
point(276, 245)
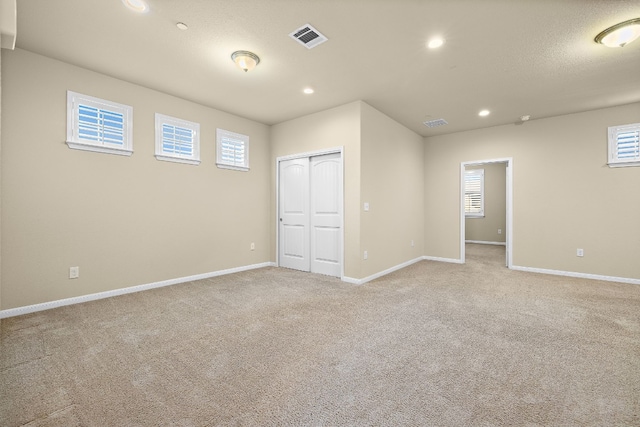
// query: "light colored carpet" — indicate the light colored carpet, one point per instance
point(434, 344)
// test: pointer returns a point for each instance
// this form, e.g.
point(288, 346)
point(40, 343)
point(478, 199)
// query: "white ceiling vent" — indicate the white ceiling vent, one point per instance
point(308, 36)
point(436, 123)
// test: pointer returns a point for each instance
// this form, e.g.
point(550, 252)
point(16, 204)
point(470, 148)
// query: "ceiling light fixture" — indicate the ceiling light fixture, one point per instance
point(308, 90)
point(435, 43)
point(484, 113)
point(525, 117)
point(246, 60)
point(139, 6)
point(620, 34)
point(182, 26)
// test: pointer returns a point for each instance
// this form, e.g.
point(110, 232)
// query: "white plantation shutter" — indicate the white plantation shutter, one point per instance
point(177, 140)
point(100, 125)
point(232, 150)
point(474, 192)
point(95, 124)
point(624, 145)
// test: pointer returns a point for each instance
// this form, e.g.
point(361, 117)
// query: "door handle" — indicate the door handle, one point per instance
point(280, 219)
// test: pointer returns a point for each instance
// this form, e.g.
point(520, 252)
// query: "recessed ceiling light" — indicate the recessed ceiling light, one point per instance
point(182, 26)
point(620, 34)
point(308, 90)
point(435, 43)
point(484, 113)
point(139, 6)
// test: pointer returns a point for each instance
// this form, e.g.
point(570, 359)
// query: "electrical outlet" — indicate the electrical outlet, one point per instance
point(580, 252)
point(412, 245)
point(499, 230)
point(74, 272)
point(366, 255)
point(253, 246)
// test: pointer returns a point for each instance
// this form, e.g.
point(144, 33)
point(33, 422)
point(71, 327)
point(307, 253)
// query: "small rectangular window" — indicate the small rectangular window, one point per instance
point(624, 145)
point(95, 124)
point(232, 150)
point(177, 140)
point(474, 193)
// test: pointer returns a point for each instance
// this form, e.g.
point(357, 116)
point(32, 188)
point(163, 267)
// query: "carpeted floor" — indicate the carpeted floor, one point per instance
point(434, 344)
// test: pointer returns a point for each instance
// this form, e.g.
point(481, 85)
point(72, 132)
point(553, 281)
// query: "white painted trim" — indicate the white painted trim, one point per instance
point(579, 275)
point(160, 121)
point(439, 259)
point(509, 203)
point(322, 152)
point(107, 294)
point(74, 99)
point(381, 273)
point(482, 242)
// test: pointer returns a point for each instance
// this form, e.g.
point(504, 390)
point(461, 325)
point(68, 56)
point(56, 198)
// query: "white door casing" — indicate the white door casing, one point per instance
point(509, 202)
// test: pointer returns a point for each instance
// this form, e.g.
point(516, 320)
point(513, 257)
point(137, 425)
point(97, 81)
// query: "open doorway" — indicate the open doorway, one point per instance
point(486, 214)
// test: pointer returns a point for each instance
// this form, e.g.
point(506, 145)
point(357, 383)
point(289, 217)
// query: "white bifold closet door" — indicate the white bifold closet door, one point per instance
point(310, 214)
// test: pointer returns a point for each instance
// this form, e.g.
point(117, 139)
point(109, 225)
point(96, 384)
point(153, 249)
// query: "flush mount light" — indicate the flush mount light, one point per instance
point(139, 6)
point(620, 34)
point(525, 118)
point(435, 43)
point(245, 60)
point(308, 90)
point(182, 26)
point(484, 113)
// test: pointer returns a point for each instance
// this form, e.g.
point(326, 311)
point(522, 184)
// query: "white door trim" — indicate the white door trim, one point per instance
point(509, 203)
point(339, 150)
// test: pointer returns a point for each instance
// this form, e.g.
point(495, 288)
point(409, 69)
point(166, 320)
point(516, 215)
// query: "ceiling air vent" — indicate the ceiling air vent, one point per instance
point(436, 123)
point(308, 36)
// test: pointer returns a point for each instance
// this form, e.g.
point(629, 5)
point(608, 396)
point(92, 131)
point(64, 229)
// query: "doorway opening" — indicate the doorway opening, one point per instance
point(508, 196)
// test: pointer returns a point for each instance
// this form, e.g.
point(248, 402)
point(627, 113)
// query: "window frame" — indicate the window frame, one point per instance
point(220, 135)
point(194, 157)
point(76, 142)
point(612, 147)
point(480, 173)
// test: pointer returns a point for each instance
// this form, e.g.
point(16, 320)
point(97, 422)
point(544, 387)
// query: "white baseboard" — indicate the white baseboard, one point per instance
point(381, 273)
point(435, 258)
point(107, 294)
point(482, 242)
point(579, 275)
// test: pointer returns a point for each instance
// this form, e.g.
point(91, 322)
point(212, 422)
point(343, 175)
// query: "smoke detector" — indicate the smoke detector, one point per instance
point(436, 123)
point(308, 36)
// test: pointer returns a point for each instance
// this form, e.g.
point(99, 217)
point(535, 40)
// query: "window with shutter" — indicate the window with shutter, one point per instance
point(232, 150)
point(474, 193)
point(98, 125)
point(177, 140)
point(624, 145)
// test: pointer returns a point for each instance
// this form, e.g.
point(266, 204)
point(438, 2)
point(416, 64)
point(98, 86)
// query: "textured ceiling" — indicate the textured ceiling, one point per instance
point(513, 57)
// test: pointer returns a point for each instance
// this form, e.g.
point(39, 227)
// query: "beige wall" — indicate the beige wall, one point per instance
point(392, 172)
point(485, 229)
point(565, 196)
point(0, 181)
point(123, 220)
point(382, 166)
point(336, 127)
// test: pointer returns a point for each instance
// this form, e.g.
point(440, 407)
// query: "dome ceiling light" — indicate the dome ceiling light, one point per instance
point(139, 6)
point(620, 34)
point(246, 60)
